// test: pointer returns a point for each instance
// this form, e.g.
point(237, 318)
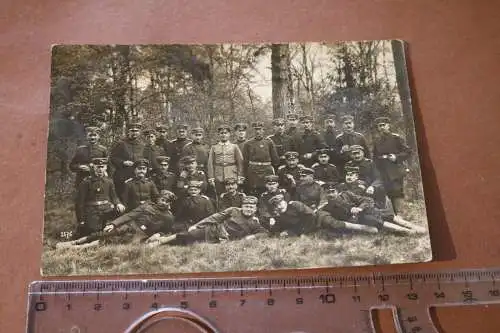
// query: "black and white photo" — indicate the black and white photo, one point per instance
point(231, 157)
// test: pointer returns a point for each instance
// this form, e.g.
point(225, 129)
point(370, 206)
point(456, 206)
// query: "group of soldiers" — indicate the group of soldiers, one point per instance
point(296, 181)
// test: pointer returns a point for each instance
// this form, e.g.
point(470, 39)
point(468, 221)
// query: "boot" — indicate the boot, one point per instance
point(419, 229)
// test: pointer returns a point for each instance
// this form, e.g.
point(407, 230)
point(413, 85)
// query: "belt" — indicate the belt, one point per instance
point(225, 164)
point(98, 203)
point(259, 163)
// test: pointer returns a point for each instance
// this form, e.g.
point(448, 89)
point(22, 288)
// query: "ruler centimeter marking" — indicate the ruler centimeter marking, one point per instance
point(332, 303)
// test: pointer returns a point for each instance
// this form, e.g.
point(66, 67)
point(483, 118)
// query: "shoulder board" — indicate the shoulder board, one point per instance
point(129, 180)
point(269, 136)
point(82, 146)
point(255, 218)
point(301, 165)
point(281, 167)
point(204, 197)
point(223, 195)
point(368, 160)
point(396, 135)
point(358, 134)
point(264, 193)
point(314, 165)
point(339, 135)
point(318, 182)
point(101, 146)
point(349, 162)
point(330, 164)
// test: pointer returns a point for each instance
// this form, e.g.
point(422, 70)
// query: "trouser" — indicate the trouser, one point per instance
point(211, 234)
point(370, 218)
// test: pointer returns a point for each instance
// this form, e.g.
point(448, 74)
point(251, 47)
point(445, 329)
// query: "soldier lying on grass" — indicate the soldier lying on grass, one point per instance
point(231, 224)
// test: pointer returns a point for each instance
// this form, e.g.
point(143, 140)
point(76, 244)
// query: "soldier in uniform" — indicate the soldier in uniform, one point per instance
point(161, 137)
point(80, 164)
point(260, 158)
point(148, 219)
point(310, 142)
point(193, 207)
point(293, 133)
point(231, 224)
point(330, 137)
point(140, 189)
point(346, 139)
point(280, 139)
point(190, 172)
point(265, 210)
point(175, 147)
point(232, 197)
point(292, 218)
point(240, 133)
point(224, 161)
point(289, 173)
point(123, 156)
point(197, 148)
point(164, 179)
point(309, 191)
point(151, 150)
point(96, 200)
point(325, 172)
point(390, 153)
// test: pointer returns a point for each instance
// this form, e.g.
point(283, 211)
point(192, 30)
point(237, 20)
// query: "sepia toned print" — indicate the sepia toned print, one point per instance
point(231, 157)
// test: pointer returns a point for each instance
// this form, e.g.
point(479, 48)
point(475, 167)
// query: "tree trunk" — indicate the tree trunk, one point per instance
point(279, 70)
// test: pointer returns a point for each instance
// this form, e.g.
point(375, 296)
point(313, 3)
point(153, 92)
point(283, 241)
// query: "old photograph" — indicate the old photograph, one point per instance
point(231, 157)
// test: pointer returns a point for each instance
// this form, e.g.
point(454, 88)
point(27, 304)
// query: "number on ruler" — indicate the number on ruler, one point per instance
point(327, 298)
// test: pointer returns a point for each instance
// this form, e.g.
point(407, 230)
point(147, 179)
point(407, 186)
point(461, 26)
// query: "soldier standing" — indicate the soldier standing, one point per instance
point(164, 179)
point(240, 131)
point(293, 132)
point(123, 156)
point(309, 191)
point(231, 224)
point(161, 137)
point(280, 139)
point(224, 161)
point(80, 164)
point(289, 173)
point(390, 152)
point(330, 137)
point(193, 207)
point(140, 189)
point(175, 147)
point(190, 172)
point(96, 200)
point(310, 142)
point(151, 150)
point(197, 148)
point(346, 139)
point(232, 197)
point(325, 172)
point(260, 158)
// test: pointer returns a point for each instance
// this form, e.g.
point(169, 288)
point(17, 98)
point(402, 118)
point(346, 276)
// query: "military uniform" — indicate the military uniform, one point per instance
point(185, 177)
point(139, 190)
point(287, 183)
point(96, 201)
point(310, 142)
point(231, 200)
point(349, 139)
point(224, 161)
point(126, 150)
point(164, 180)
point(238, 141)
point(368, 173)
point(175, 148)
point(161, 142)
point(191, 210)
point(266, 210)
point(151, 153)
point(329, 139)
point(311, 193)
point(298, 219)
point(200, 151)
point(84, 154)
point(326, 173)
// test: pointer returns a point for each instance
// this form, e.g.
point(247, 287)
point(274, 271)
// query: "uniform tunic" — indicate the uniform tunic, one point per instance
point(265, 209)
point(200, 151)
point(185, 177)
point(349, 139)
point(297, 219)
point(327, 173)
point(164, 180)
point(294, 138)
point(230, 200)
point(310, 194)
point(151, 152)
point(83, 156)
point(139, 191)
point(330, 138)
point(260, 158)
point(281, 142)
point(369, 174)
point(287, 183)
point(392, 173)
point(309, 143)
point(126, 150)
point(193, 209)
point(224, 161)
point(95, 204)
point(340, 208)
point(174, 150)
point(240, 143)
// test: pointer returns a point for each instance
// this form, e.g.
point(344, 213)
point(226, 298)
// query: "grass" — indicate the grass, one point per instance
point(319, 250)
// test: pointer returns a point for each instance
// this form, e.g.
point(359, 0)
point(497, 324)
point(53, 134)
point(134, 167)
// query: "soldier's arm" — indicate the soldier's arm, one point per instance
point(364, 144)
point(214, 218)
point(275, 159)
point(210, 163)
point(116, 156)
point(362, 202)
point(257, 230)
point(404, 150)
point(239, 160)
point(112, 194)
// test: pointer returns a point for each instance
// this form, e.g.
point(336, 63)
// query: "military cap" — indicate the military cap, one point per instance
point(330, 117)
point(275, 200)
point(223, 127)
point(279, 121)
point(306, 171)
point(168, 196)
point(356, 148)
point(250, 200)
point(99, 161)
point(197, 130)
point(188, 159)
point(306, 119)
point(257, 124)
point(331, 186)
point(161, 159)
point(92, 129)
point(183, 126)
point(347, 117)
point(230, 180)
point(271, 178)
point(323, 151)
point(148, 131)
point(382, 120)
point(160, 127)
point(351, 169)
point(134, 125)
point(291, 154)
point(291, 116)
point(240, 127)
point(141, 162)
point(195, 183)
